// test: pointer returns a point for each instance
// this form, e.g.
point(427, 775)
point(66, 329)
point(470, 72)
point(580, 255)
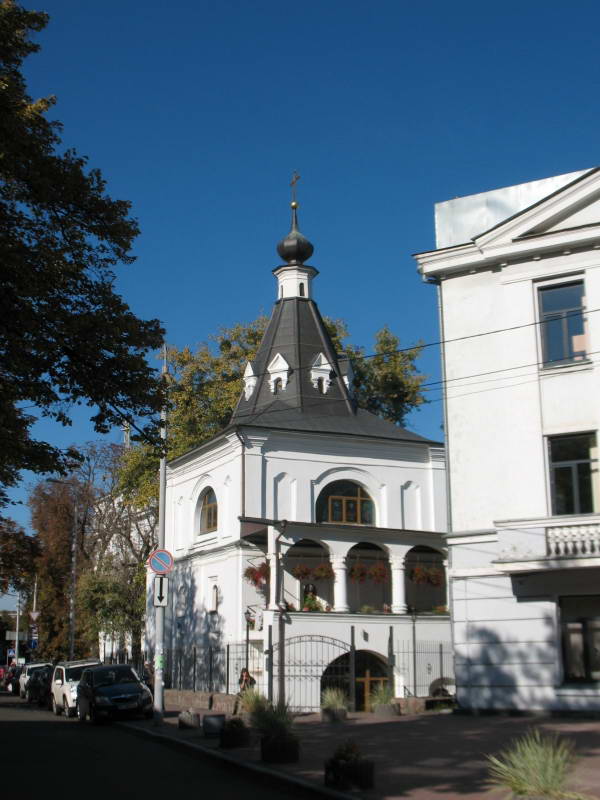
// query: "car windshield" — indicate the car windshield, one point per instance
point(33, 670)
point(116, 674)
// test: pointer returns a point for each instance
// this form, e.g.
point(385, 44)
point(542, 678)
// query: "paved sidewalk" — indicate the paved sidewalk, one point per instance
point(425, 757)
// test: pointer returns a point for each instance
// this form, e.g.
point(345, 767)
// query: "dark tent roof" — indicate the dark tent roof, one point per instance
point(296, 331)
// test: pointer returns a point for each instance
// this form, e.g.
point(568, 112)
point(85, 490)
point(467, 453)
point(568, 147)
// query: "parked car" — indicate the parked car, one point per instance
point(63, 691)
point(27, 672)
point(11, 680)
point(110, 691)
point(38, 686)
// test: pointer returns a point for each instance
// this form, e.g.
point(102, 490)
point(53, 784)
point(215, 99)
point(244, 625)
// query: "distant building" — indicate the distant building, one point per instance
point(518, 275)
point(305, 502)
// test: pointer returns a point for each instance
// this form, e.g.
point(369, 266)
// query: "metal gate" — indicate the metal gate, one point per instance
point(299, 667)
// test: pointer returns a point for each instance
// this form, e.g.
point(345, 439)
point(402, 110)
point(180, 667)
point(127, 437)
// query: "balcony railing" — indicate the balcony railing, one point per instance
point(573, 540)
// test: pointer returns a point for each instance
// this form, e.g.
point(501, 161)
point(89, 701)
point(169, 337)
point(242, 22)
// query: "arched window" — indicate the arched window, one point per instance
point(277, 385)
point(321, 385)
point(345, 502)
point(208, 512)
point(301, 290)
point(214, 598)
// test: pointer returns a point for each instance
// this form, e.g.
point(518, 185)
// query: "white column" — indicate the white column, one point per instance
point(447, 577)
point(398, 588)
point(340, 596)
point(274, 567)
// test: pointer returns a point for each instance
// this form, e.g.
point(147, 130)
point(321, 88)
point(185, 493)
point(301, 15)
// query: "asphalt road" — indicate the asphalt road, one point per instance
point(47, 756)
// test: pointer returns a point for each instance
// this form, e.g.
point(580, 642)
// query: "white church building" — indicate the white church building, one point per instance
point(518, 277)
point(308, 527)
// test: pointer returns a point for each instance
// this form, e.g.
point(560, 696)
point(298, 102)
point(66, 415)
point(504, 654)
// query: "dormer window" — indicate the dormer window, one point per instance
point(279, 371)
point(320, 374)
point(250, 380)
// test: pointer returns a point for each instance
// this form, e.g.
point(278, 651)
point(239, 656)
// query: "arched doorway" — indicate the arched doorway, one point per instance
point(425, 577)
point(370, 670)
point(307, 577)
point(369, 585)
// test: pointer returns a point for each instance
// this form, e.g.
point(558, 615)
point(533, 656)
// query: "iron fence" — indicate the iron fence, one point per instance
point(299, 668)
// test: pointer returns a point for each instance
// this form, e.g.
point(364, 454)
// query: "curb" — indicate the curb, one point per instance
point(225, 759)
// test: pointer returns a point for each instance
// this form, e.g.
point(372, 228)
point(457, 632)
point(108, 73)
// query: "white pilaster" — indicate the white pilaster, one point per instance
point(340, 596)
point(274, 567)
point(398, 586)
point(447, 578)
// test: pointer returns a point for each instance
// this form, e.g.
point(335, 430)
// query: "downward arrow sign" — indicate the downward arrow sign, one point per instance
point(160, 595)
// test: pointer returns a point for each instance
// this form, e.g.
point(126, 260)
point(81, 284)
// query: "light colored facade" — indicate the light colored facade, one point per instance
point(518, 281)
point(312, 490)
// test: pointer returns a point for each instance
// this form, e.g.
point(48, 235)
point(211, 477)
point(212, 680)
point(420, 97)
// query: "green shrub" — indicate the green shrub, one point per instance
point(334, 699)
point(252, 700)
point(534, 765)
point(381, 695)
point(273, 721)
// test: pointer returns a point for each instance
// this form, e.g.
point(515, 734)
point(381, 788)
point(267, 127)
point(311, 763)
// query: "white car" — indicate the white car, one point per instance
point(63, 691)
point(28, 671)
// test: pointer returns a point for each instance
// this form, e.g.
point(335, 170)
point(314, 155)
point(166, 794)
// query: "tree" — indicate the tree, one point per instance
point(66, 337)
point(205, 387)
point(18, 554)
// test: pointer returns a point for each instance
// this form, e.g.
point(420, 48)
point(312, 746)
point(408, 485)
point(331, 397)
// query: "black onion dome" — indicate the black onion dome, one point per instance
point(295, 248)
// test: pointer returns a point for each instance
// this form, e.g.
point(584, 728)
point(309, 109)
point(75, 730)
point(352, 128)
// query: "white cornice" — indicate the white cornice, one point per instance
point(512, 240)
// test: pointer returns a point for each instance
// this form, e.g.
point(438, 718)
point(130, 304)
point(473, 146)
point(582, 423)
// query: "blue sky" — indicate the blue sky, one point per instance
point(197, 112)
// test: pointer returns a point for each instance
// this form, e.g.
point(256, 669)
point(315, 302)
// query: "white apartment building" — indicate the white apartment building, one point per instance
point(518, 277)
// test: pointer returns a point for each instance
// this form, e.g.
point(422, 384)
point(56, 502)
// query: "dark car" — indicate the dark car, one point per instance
point(110, 691)
point(38, 687)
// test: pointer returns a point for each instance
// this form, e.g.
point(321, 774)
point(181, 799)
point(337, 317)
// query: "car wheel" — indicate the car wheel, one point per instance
point(28, 696)
point(94, 718)
point(55, 707)
point(81, 715)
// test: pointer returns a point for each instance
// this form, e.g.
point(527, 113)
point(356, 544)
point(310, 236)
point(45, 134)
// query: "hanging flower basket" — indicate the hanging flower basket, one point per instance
point(435, 576)
point(323, 572)
point(358, 572)
point(378, 573)
point(258, 576)
point(302, 572)
point(419, 575)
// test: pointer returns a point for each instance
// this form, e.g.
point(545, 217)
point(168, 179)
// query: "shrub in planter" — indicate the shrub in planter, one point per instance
point(252, 702)
point(334, 705)
point(381, 701)
point(311, 603)
point(378, 573)
point(234, 733)
point(347, 768)
point(358, 572)
point(278, 745)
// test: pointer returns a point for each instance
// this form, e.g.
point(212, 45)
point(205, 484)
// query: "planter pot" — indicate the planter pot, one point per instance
point(212, 724)
point(282, 750)
point(236, 738)
point(333, 714)
point(386, 711)
point(344, 774)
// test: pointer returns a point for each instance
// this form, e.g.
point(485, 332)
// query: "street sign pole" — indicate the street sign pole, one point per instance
point(159, 617)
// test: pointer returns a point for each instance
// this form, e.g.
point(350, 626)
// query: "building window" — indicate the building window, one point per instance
point(573, 473)
point(345, 502)
point(208, 512)
point(562, 324)
point(301, 290)
point(580, 621)
point(277, 385)
point(214, 598)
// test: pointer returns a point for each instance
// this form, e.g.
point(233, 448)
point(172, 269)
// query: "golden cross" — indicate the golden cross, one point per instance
point(293, 182)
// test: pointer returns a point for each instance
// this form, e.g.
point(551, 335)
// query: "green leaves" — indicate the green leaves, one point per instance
point(65, 336)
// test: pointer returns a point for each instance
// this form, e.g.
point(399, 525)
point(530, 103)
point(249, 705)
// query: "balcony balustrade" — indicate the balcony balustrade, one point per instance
point(573, 540)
